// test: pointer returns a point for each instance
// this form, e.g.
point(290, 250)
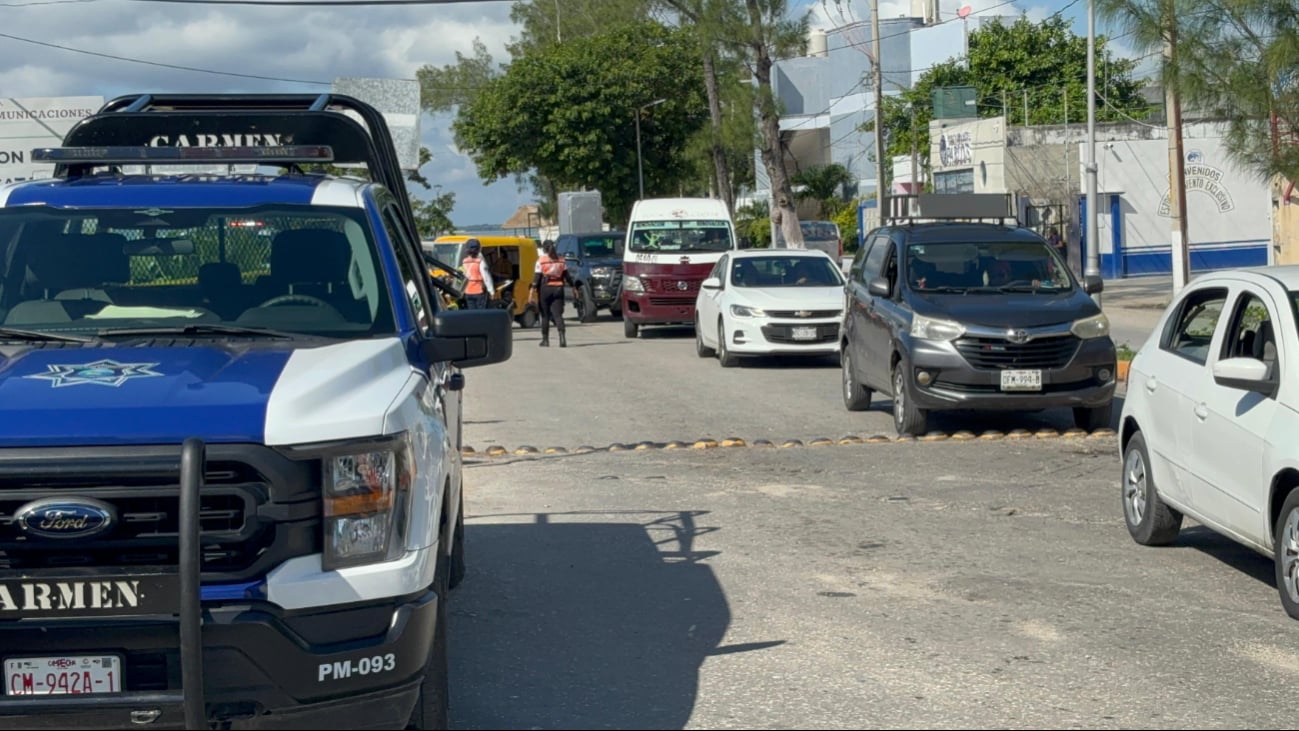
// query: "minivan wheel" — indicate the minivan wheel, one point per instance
point(629, 328)
point(1093, 418)
point(1149, 519)
point(855, 396)
point(907, 419)
point(1287, 554)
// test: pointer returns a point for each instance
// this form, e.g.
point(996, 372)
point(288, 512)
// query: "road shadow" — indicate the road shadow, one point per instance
point(1229, 552)
point(564, 622)
point(789, 362)
point(1003, 421)
point(667, 332)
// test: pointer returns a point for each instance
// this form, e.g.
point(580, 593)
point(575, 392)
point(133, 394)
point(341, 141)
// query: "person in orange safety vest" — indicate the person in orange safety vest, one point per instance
point(548, 286)
point(479, 288)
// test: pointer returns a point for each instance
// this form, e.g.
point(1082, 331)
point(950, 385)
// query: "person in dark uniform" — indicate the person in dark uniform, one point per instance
point(552, 274)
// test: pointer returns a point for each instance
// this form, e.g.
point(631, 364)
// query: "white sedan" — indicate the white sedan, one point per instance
point(769, 302)
point(1209, 422)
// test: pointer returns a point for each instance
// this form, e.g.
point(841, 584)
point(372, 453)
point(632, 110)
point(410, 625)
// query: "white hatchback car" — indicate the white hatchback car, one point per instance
point(769, 302)
point(1209, 424)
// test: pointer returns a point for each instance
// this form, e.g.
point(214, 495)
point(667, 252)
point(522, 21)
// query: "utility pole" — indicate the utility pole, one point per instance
point(878, 74)
point(1026, 107)
point(1176, 163)
point(1093, 265)
point(1005, 108)
point(915, 156)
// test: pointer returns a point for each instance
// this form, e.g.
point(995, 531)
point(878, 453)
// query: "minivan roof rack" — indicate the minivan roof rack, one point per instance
point(994, 208)
point(353, 130)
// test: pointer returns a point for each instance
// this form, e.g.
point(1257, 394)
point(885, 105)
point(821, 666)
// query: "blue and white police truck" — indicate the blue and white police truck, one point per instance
point(230, 425)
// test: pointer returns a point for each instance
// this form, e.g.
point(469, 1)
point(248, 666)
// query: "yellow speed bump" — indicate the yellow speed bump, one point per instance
point(1047, 433)
point(1074, 432)
point(618, 447)
point(1104, 433)
point(1019, 434)
point(934, 436)
point(556, 450)
point(705, 443)
point(467, 450)
point(851, 439)
point(991, 434)
point(733, 442)
point(496, 450)
point(877, 439)
point(762, 443)
point(676, 444)
point(963, 435)
point(525, 449)
point(821, 442)
point(905, 438)
point(791, 443)
point(584, 449)
point(642, 446)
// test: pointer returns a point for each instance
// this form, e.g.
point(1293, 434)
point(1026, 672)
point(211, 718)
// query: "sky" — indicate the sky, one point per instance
point(113, 47)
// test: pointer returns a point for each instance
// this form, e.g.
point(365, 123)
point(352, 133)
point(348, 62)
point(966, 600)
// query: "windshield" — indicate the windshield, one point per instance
point(1028, 266)
point(602, 247)
point(449, 253)
point(681, 236)
point(819, 231)
point(785, 271)
point(294, 269)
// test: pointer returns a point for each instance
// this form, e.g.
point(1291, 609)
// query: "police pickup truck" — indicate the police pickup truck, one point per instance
point(230, 468)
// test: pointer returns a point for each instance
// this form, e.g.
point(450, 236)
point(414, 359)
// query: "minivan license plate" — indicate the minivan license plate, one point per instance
point(1021, 380)
point(805, 333)
point(63, 675)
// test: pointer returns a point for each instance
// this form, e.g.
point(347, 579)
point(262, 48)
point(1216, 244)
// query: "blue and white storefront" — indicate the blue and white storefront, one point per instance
point(1229, 222)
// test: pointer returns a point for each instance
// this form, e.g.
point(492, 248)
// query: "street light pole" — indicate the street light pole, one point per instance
point(640, 167)
point(1093, 266)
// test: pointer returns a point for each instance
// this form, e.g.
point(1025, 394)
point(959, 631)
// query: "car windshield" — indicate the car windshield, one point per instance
point(602, 247)
point(296, 270)
point(449, 253)
point(785, 271)
point(681, 236)
point(1012, 266)
point(819, 231)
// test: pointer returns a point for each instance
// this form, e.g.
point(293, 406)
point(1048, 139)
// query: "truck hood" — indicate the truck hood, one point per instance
point(220, 393)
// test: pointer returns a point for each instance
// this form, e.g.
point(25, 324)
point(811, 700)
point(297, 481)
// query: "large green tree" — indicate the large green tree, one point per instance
point(1044, 60)
point(569, 112)
point(1236, 60)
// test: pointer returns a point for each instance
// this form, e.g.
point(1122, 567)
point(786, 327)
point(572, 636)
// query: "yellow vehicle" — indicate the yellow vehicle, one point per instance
point(512, 260)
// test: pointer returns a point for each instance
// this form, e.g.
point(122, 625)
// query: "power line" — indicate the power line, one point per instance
point(159, 64)
point(319, 3)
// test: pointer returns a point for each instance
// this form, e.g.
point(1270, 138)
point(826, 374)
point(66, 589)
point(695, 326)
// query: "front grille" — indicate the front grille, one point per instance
point(803, 314)
point(252, 514)
point(672, 301)
point(996, 353)
point(992, 388)
point(784, 334)
point(673, 286)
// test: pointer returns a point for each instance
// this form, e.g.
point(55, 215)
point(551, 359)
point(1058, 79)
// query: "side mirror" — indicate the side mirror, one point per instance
point(879, 286)
point(1092, 284)
point(1247, 374)
point(467, 338)
point(711, 283)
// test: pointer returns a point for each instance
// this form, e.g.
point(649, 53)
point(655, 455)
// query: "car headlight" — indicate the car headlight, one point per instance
point(366, 493)
point(602, 271)
point(742, 311)
point(928, 328)
point(633, 284)
point(1096, 326)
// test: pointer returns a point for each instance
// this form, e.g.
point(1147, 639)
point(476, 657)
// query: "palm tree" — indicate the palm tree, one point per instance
point(822, 184)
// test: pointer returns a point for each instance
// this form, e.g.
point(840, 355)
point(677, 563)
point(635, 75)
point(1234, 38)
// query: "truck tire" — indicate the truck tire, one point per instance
point(456, 573)
point(586, 309)
point(431, 707)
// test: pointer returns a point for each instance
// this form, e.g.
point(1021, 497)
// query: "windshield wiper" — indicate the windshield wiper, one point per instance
point(201, 329)
point(11, 333)
point(947, 290)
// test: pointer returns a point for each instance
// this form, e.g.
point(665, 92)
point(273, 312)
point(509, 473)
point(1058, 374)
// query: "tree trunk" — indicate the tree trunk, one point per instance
point(773, 153)
point(721, 168)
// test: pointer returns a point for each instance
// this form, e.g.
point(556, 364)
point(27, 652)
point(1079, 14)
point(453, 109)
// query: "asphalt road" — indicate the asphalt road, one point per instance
point(985, 584)
point(946, 584)
point(605, 388)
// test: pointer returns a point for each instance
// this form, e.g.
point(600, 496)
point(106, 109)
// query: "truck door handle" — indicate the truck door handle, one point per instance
point(1151, 384)
point(1201, 411)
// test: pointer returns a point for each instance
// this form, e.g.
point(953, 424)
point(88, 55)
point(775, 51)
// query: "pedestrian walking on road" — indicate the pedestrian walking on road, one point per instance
point(480, 287)
point(548, 286)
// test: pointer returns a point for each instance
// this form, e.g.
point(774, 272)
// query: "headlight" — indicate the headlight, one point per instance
point(602, 271)
point(1096, 326)
point(632, 284)
point(365, 498)
point(742, 311)
point(928, 328)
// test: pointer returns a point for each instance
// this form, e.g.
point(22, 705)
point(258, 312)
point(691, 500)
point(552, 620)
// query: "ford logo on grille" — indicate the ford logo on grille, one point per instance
point(72, 517)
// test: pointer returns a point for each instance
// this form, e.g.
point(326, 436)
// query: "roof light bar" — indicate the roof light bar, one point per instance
point(181, 155)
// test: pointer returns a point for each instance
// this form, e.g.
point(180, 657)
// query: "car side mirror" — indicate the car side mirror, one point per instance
point(1247, 374)
point(1092, 284)
point(711, 283)
point(879, 286)
point(467, 338)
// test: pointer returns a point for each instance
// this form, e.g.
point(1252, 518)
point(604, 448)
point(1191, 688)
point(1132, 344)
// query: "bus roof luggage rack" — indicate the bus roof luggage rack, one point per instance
point(998, 208)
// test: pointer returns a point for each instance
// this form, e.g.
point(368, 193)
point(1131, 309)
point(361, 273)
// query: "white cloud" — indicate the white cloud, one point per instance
point(291, 44)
